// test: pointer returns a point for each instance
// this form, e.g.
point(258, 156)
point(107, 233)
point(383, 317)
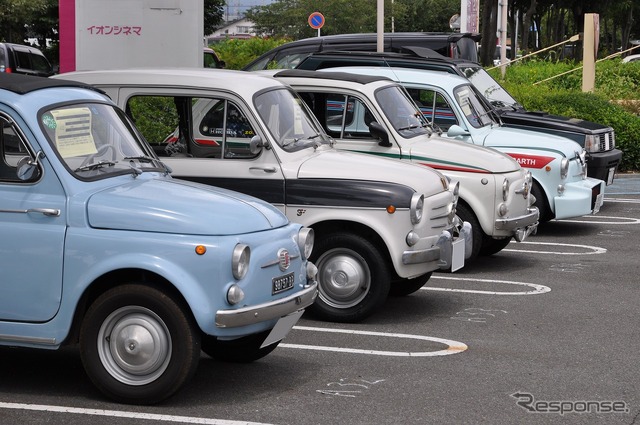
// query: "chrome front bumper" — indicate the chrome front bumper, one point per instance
point(449, 257)
point(267, 311)
point(522, 226)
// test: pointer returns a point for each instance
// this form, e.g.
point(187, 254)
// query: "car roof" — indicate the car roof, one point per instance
point(409, 53)
point(452, 36)
point(23, 84)
point(324, 43)
point(331, 75)
point(404, 75)
point(243, 82)
point(631, 58)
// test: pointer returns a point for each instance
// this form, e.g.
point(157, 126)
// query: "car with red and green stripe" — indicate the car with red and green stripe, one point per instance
point(375, 115)
point(558, 165)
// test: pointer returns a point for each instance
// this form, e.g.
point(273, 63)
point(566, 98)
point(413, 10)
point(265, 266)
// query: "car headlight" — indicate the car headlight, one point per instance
point(240, 260)
point(505, 189)
point(592, 143)
point(454, 187)
point(417, 206)
point(306, 238)
point(235, 294)
point(564, 168)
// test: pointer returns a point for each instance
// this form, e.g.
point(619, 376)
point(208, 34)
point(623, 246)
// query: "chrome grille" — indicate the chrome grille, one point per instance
point(607, 141)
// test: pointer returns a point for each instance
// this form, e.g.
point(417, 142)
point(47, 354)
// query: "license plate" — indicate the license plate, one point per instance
point(282, 328)
point(599, 201)
point(457, 259)
point(282, 283)
point(611, 175)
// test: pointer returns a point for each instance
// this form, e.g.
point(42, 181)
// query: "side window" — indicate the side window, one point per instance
point(12, 149)
point(434, 107)
point(341, 116)
point(23, 59)
point(223, 127)
point(192, 127)
point(290, 58)
point(156, 117)
point(40, 64)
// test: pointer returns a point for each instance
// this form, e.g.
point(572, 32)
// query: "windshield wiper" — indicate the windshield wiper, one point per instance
point(148, 159)
point(141, 158)
point(410, 127)
point(95, 165)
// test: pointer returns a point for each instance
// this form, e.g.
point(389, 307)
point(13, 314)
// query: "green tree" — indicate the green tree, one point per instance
point(424, 15)
point(289, 18)
point(14, 14)
point(213, 13)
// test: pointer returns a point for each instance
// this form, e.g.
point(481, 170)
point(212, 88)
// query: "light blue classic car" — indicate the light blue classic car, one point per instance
point(557, 164)
point(101, 247)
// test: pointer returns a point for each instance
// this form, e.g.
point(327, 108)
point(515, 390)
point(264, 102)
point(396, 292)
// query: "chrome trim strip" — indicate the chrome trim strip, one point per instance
point(267, 311)
point(28, 340)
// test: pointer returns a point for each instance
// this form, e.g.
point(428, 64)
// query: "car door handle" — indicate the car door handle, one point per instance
point(265, 169)
point(51, 212)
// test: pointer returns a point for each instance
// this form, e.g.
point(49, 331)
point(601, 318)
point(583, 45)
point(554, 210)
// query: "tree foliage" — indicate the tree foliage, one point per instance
point(15, 13)
point(289, 18)
point(213, 14)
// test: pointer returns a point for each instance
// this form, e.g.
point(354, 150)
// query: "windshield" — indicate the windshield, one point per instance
point(403, 113)
point(96, 140)
point(472, 106)
point(489, 88)
point(288, 119)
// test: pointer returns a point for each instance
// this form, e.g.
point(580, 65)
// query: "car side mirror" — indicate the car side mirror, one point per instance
point(256, 144)
point(27, 169)
point(380, 133)
point(456, 130)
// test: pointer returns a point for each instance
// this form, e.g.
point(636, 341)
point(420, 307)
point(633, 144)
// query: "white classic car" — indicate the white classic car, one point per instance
point(380, 226)
point(374, 115)
point(557, 164)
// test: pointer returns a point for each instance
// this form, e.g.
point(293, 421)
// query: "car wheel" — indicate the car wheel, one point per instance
point(466, 214)
point(492, 246)
point(403, 287)
point(542, 203)
point(138, 345)
point(353, 278)
point(242, 350)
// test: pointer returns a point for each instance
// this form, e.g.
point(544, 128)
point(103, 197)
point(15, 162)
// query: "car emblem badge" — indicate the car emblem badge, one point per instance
point(284, 260)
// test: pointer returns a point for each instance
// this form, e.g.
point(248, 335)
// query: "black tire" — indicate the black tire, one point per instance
point(492, 246)
point(466, 214)
point(112, 335)
point(353, 278)
point(242, 350)
point(404, 287)
point(542, 203)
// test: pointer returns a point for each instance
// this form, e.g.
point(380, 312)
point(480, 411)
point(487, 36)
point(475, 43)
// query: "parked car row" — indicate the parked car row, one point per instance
point(598, 140)
point(162, 202)
point(379, 225)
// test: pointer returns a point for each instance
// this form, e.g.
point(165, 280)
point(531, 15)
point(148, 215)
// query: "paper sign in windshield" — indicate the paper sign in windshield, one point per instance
point(73, 132)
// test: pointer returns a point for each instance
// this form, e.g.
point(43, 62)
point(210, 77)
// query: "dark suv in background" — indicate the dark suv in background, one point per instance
point(598, 140)
point(21, 59)
point(288, 55)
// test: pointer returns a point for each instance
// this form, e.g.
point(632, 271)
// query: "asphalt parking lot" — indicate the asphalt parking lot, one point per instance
point(544, 332)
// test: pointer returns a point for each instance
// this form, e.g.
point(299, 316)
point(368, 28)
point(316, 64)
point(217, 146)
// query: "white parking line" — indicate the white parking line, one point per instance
point(537, 289)
point(590, 249)
point(596, 220)
point(123, 414)
point(623, 200)
point(454, 347)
